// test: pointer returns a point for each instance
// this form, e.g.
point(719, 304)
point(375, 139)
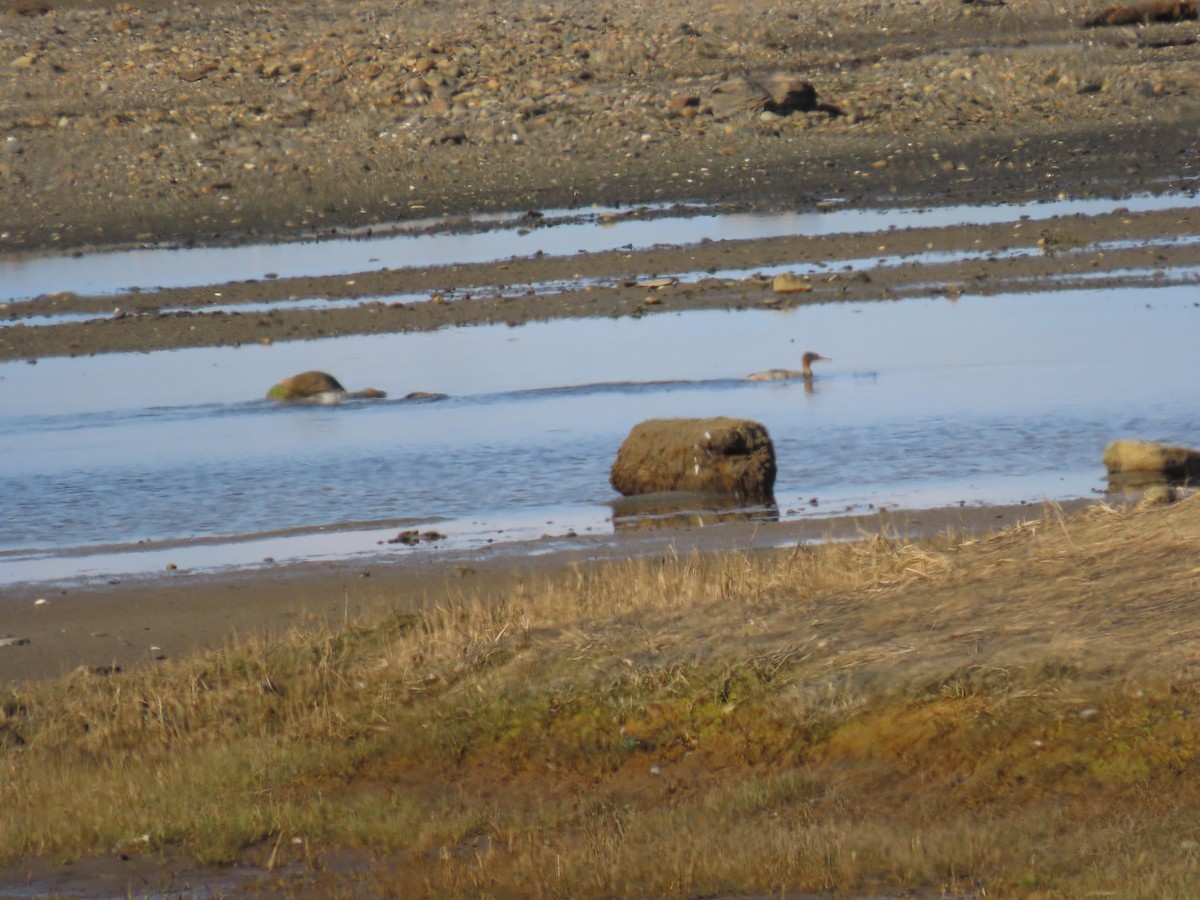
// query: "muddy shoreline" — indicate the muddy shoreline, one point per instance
point(137, 622)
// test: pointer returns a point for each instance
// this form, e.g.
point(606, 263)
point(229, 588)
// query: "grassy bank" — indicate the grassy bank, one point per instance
point(1016, 715)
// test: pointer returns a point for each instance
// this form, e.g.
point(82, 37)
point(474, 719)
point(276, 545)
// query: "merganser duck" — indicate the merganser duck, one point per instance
point(805, 372)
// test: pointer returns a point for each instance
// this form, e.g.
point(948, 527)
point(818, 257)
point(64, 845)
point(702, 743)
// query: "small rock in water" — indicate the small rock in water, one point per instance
point(412, 537)
point(787, 283)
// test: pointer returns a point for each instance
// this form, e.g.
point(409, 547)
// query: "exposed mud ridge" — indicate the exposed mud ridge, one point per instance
point(1116, 248)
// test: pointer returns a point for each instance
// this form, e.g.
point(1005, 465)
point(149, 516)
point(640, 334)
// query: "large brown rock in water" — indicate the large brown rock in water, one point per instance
point(731, 457)
point(1127, 457)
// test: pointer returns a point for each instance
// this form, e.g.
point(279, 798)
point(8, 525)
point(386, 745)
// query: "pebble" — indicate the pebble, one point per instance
point(556, 89)
point(787, 283)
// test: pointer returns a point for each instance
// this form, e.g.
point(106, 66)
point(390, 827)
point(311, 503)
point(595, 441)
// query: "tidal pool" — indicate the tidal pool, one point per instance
point(116, 465)
point(23, 278)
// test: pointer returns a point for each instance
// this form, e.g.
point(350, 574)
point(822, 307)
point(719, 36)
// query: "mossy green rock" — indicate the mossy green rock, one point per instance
point(306, 384)
point(728, 457)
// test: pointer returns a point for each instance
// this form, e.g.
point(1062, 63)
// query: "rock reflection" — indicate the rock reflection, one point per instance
point(685, 509)
point(1150, 470)
point(1147, 487)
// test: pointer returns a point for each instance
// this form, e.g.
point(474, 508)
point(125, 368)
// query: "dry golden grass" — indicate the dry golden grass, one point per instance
point(1017, 713)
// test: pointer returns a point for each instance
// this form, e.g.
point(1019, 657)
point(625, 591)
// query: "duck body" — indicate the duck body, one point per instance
point(777, 375)
point(805, 371)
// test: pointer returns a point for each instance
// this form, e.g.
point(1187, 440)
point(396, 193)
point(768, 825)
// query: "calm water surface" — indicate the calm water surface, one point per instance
point(928, 402)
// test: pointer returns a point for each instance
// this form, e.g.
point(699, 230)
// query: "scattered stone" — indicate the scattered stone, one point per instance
point(29, 9)
point(13, 641)
point(198, 73)
point(790, 94)
point(787, 283)
point(780, 96)
point(1144, 13)
point(738, 97)
point(412, 537)
point(726, 456)
point(681, 103)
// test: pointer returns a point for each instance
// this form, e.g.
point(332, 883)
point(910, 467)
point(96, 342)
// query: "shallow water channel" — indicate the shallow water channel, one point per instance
point(927, 403)
point(555, 233)
point(119, 465)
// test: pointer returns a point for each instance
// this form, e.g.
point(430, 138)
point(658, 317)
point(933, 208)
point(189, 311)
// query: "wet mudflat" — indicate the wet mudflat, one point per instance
point(1017, 341)
point(492, 239)
point(640, 263)
point(124, 464)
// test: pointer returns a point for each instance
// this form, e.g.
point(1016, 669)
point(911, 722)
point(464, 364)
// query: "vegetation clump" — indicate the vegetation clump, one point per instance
point(1014, 714)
